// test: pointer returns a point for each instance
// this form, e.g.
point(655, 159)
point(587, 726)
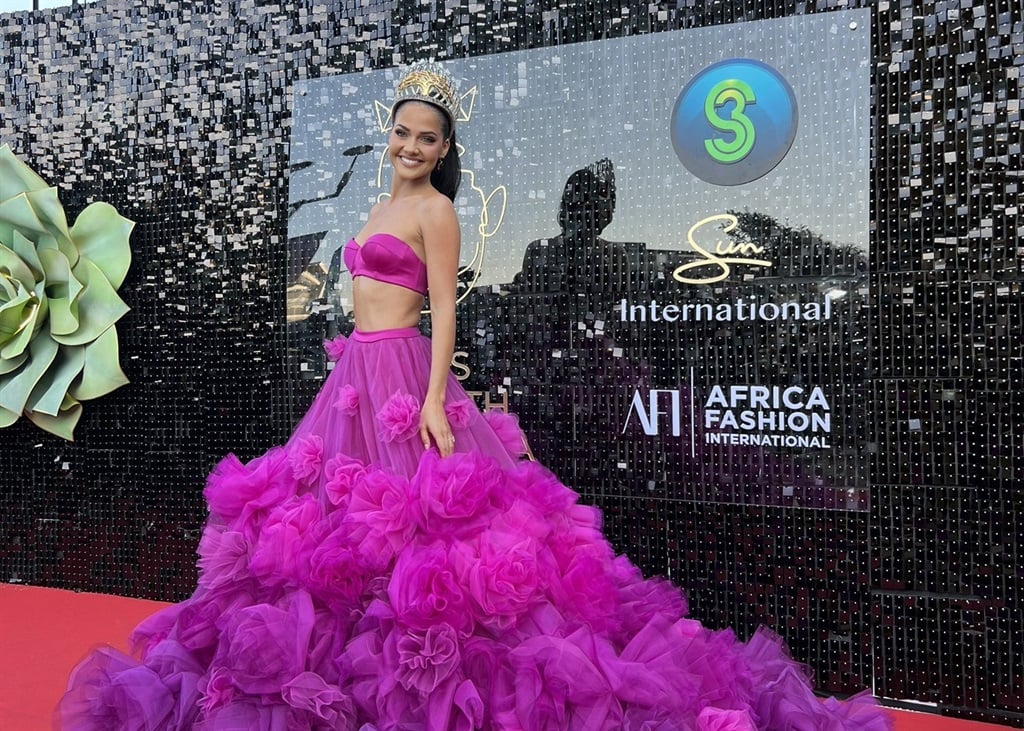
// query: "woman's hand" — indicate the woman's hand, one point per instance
point(434, 426)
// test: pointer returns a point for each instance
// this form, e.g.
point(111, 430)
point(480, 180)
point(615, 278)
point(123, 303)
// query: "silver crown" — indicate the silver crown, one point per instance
point(429, 81)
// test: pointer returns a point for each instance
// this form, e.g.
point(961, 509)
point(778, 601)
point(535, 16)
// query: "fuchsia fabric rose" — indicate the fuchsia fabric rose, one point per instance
point(642, 600)
point(556, 683)
point(460, 412)
point(784, 704)
point(288, 538)
point(585, 591)
point(216, 689)
point(239, 493)
point(454, 493)
point(535, 484)
point(506, 426)
point(347, 400)
point(651, 671)
point(264, 646)
point(427, 657)
point(576, 531)
point(197, 629)
point(223, 557)
point(425, 590)
point(399, 417)
point(342, 473)
point(306, 457)
point(337, 572)
point(309, 692)
point(180, 671)
point(154, 629)
point(334, 348)
point(482, 657)
point(380, 515)
point(709, 657)
point(500, 570)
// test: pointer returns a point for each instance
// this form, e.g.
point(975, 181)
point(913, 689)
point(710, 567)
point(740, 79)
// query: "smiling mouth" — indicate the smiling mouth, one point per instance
point(408, 161)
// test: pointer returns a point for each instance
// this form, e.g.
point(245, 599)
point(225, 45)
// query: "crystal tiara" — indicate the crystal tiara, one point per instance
point(428, 81)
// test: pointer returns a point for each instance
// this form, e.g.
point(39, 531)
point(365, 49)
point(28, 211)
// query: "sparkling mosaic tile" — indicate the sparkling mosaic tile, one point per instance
point(181, 115)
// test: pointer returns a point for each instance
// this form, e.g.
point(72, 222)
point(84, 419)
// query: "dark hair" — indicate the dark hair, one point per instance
point(588, 200)
point(445, 179)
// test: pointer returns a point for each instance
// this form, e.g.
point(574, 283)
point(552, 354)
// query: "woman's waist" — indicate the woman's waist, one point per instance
point(389, 333)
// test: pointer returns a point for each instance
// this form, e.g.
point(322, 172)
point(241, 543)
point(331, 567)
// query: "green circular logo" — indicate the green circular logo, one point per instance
point(734, 122)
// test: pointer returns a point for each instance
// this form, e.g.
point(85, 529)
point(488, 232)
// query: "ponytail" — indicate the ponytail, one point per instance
point(447, 177)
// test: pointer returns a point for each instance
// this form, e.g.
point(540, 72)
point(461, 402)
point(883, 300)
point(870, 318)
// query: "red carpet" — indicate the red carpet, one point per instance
point(44, 632)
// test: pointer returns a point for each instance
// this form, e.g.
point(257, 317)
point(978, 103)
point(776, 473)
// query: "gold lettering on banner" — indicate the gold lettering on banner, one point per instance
point(723, 254)
point(461, 368)
point(502, 405)
point(483, 400)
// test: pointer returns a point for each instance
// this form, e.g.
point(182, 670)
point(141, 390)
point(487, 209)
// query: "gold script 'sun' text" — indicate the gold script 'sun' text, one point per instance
point(723, 253)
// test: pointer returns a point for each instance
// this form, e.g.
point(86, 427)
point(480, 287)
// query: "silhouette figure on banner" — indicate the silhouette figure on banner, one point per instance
point(578, 259)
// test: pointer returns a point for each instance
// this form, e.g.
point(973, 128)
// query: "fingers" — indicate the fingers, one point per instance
point(446, 444)
point(443, 438)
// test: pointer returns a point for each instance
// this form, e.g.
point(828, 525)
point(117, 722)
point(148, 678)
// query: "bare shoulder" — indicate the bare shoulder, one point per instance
point(437, 206)
point(438, 222)
point(377, 207)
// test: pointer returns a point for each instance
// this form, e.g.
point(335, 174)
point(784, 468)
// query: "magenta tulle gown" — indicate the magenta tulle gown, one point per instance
point(352, 580)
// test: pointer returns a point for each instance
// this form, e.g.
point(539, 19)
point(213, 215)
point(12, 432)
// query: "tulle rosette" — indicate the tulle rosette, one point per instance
point(347, 400)
point(399, 417)
point(335, 347)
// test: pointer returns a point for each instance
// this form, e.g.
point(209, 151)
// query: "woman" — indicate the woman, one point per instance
point(394, 566)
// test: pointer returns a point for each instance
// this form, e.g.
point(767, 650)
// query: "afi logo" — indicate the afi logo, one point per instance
point(660, 402)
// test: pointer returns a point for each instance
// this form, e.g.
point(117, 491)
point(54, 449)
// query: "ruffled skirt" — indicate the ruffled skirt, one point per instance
point(351, 579)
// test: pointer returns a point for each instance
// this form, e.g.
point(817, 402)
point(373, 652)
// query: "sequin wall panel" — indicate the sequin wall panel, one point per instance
point(181, 117)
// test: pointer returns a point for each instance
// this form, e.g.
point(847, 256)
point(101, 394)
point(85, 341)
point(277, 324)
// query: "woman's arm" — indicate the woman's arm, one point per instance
point(441, 241)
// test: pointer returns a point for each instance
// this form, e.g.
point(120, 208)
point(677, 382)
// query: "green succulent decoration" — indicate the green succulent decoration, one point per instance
point(58, 301)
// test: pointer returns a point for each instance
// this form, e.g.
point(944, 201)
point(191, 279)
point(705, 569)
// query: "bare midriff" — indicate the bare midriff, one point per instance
point(383, 306)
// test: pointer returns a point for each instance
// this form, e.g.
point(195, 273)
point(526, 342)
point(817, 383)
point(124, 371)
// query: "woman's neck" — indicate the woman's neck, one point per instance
point(409, 188)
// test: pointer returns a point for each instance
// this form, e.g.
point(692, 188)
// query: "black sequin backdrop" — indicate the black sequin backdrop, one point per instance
point(178, 114)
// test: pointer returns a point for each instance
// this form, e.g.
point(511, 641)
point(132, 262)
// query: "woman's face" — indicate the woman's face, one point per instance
point(417, 141)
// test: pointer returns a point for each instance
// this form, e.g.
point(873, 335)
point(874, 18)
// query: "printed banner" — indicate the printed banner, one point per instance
point(665, 251)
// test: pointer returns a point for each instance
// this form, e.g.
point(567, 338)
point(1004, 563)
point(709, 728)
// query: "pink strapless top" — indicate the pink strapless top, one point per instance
point(386, 258)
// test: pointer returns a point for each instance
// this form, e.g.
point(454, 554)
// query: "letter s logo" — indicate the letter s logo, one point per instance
point(738, 124)
point(734, 122)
